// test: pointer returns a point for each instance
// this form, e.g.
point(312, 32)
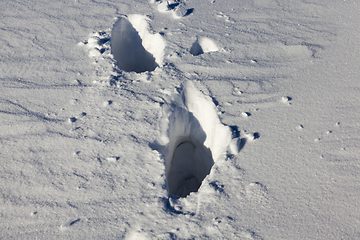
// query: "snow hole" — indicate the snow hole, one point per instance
point(196, 139)
point(134, 47)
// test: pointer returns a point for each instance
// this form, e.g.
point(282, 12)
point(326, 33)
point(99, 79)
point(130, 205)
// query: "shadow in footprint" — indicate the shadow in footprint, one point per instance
point(103, 41)
point(240, 143)
point(197, 138)
point(189, 11)
point(235, 133)
point(196, 49)
point(191, 161)
point(128, 50)
point(172, 6)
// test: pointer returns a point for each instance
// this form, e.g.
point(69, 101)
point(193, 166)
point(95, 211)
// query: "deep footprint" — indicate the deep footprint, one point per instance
point(190, 165)
point(197, 138)
point(127, 46)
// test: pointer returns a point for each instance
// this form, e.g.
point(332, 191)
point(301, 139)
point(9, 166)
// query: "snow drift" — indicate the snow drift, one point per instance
point(196, 138)
point(134, 47)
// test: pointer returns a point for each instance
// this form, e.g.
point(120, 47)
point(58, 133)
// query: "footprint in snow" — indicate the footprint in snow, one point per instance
point(196, 139)
point(134, 48)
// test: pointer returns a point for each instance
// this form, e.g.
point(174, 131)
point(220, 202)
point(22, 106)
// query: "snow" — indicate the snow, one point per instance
point(195, 139)
point(179, 119)
point(134, 47)
point(205, 45)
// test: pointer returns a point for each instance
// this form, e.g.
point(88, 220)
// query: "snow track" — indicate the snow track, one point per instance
point(196, 140)
point(134, 47)
point(183, 119)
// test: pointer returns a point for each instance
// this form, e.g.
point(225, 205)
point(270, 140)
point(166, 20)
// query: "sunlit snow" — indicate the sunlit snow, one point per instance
point(180, 119)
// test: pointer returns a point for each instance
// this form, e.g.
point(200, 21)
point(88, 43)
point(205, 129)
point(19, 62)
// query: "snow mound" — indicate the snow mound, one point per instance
point(196, 139)
point(176, 7)
point(134, 47)
point(203, 45)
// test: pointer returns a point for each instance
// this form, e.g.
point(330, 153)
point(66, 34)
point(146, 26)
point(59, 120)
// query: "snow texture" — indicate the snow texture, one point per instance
point(179, 119)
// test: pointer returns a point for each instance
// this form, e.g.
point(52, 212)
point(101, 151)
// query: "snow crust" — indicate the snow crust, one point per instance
point(178, 119)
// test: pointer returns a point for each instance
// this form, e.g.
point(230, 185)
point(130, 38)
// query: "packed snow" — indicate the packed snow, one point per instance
point(180, 119)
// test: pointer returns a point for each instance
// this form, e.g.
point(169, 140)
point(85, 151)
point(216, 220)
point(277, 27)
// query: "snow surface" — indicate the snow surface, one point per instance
point(88, 147)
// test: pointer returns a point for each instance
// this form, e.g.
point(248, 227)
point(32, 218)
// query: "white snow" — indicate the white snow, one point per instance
point(204, 45)
point(179, 119)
